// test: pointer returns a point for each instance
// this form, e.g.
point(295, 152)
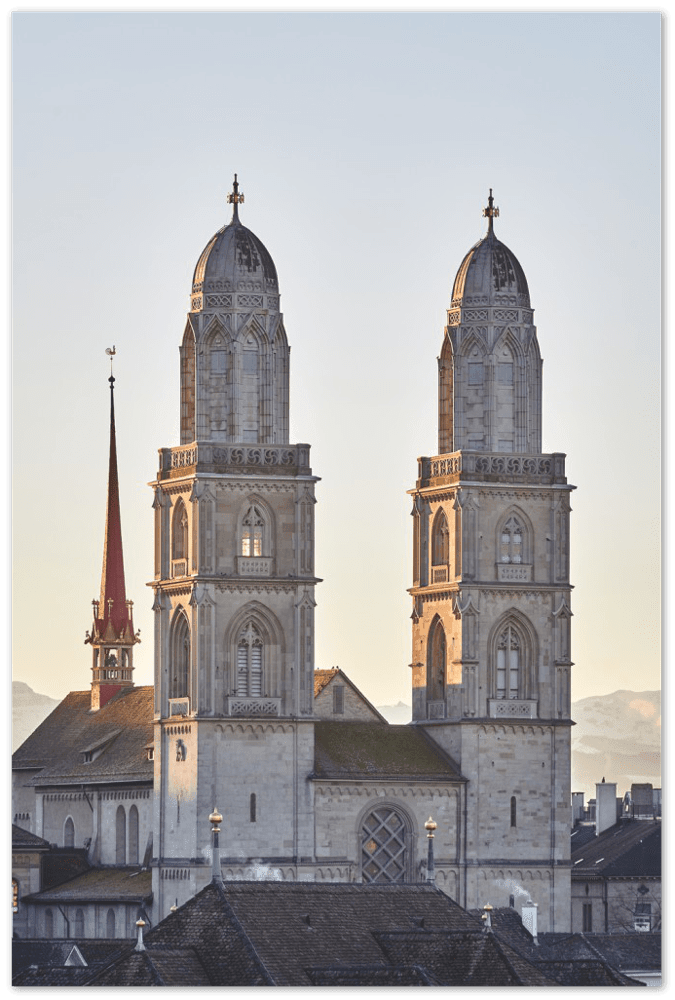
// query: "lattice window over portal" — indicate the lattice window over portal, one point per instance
point(384, 848)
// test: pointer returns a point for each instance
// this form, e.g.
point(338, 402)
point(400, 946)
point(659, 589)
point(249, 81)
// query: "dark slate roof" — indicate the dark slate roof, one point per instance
point(629, 849)
point(373, 975)
point(372, 750)
point(126, 885)
point(124, 724)
point(42, 952)
point(61, 864)
point(582, 834)
point(628, 952)
point(573, 959)
point(468, 958)
point(23, 840)
point(49, 975)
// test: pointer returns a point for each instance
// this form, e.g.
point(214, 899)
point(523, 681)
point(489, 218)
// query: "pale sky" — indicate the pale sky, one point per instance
point(365, 145)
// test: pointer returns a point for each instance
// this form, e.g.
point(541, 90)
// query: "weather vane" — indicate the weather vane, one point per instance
point(110, 351)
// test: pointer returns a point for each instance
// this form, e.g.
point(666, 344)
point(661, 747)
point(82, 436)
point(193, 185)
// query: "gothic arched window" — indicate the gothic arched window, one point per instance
point(508, 663)
point(179, 540)
point(385, 846)
point(133, 836)
point(512, 541)
point(440, 548)
point(252, 533)
point(120, 836)
point(249, 662)
point(110, 924)
point(180, 657)
point(79, 923)
point(436, 662)
point(69, 833)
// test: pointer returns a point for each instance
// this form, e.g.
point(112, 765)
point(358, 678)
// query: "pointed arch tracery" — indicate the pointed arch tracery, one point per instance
point(437, 658)
point(255, 644)
point(179, 669)
point(188, 428)
point(514, 539)
point(255, 529)
point(179, 539)
point(512, 658)
point(440, 547)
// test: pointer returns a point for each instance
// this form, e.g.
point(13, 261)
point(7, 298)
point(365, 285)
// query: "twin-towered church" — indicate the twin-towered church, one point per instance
point(312, 783)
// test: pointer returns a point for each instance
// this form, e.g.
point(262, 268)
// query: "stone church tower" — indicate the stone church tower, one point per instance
point(234, 585)
point(491, 592)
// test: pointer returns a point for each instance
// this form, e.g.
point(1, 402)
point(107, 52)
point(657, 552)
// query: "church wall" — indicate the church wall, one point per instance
point(24, 805)
point(57, 807)
point(109, 803)
point(342, 807)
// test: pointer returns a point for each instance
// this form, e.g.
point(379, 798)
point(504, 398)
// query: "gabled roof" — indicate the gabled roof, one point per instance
point(629, 849)
point(332, 934)
point(24, 840)
point(123, 727)
point(369, 750)
point(124, 885)
point(628, 952)
point(322, 679)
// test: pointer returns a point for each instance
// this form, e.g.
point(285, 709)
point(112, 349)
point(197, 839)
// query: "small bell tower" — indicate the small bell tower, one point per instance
point(112, 637)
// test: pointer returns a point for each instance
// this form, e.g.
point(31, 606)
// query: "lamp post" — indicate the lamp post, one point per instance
point(215, 818)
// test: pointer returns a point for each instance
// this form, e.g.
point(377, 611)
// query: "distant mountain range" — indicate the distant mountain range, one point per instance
point(616, 737)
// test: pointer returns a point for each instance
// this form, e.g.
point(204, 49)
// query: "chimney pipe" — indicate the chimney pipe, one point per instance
point(529, 917)
point(605, 806)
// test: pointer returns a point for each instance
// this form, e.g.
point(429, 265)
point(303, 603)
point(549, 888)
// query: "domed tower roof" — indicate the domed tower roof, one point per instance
point(490, 271)
point(234, 258)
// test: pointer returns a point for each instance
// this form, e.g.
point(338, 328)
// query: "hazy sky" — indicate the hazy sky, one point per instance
point(365, 145)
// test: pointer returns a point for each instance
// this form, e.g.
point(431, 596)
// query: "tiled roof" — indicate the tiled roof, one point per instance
point(41, 952)
point(372, 750)
point(628, 952)
point(629, 849)
point(466, 958)
point(50, 975)
point(585, 973)
point(126, 721)
point(371, 975)
point(105, 884)
point(24, 840)
point(322, 678)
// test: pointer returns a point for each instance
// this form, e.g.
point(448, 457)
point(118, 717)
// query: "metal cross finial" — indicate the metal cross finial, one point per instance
point(235, 199)
point(490, 212)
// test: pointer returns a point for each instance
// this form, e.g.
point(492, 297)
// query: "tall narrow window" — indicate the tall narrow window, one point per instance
point(120, 836)
point(511, 541)
point(513, 810)
point(252, 808)
point(249, 662)
point(436, 662)
point(253, 527)
point(587, 916)
point(49, 924)
point(180, 657)
point(180, 531)
point(133, 836)
point(79, 923)
point(110, 924)
point(643, 917)
point(440, 549)
point(69, 833)
point(508, 664)
point(384, 847)
point(339, 699)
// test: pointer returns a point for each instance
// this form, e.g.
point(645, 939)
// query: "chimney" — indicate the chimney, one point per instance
point(577, 807)
point(605, 806)
point(529, 917)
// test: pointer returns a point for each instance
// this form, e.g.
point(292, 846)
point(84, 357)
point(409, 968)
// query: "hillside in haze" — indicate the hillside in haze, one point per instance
point(28, 711)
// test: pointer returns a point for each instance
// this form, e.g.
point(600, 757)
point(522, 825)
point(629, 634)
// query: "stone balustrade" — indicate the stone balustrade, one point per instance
point(512, 708)
point(254, 459)
point(497, 467)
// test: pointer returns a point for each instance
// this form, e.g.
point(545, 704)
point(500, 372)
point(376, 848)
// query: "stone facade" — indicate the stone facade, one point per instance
point(491, 593)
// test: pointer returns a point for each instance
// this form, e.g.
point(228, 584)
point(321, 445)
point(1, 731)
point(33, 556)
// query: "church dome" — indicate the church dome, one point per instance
point(235, 259)
point(490, 272)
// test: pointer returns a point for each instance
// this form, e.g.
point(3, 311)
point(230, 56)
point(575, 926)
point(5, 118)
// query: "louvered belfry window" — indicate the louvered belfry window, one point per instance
point(508, 664)
point(249, 663)
point(384, 847)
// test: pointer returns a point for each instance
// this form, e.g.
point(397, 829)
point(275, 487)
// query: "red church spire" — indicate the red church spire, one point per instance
point(113, 630)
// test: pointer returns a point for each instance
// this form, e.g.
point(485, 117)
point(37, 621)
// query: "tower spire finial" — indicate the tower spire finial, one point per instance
point(490, 212)
point(235, 199)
